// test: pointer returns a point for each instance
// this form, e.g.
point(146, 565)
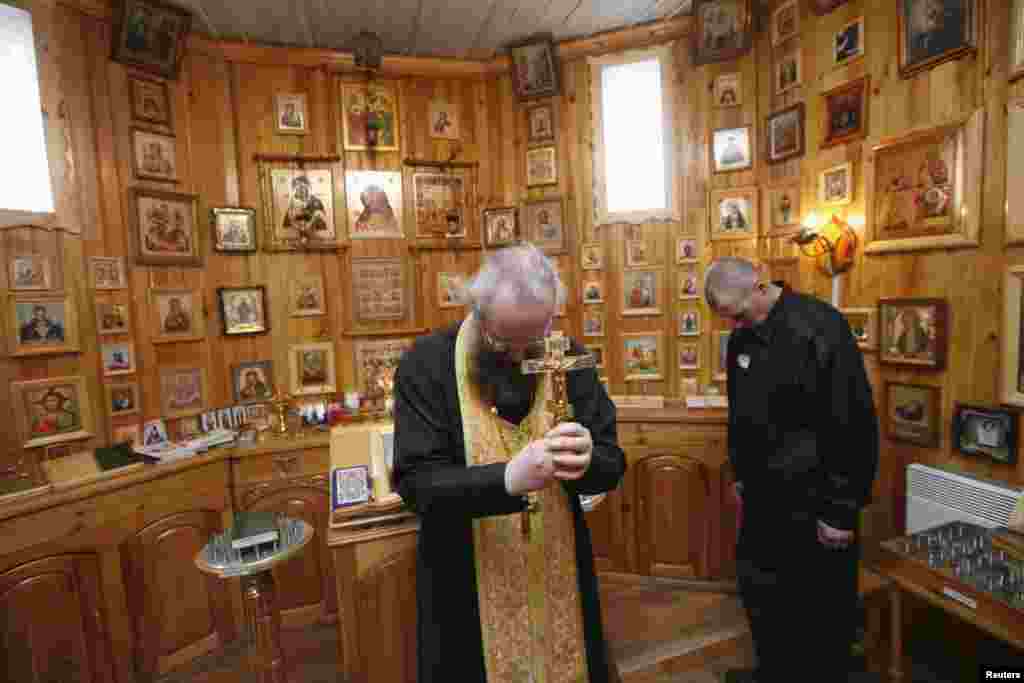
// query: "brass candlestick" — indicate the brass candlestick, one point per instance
point(281, 405)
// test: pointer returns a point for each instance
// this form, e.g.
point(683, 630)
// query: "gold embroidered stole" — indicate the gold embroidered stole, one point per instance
point(530, 610)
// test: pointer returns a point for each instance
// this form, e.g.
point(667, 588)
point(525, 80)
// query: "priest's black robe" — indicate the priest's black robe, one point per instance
point(433, 479)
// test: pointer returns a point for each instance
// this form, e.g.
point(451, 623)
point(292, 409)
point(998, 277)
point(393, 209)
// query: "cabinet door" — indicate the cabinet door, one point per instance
point(51, 628)
point(607, 533)
point(178, 612)
point(387, 632)
point(673, 522)
point(305, 583)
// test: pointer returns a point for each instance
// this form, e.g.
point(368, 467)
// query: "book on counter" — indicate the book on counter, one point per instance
point(254, 528)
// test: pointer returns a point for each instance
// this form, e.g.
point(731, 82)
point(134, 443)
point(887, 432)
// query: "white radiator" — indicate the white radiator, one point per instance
point(935, 497)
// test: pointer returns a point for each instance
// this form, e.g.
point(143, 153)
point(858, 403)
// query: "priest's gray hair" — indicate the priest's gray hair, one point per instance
point(728, 281)
point(520, 274)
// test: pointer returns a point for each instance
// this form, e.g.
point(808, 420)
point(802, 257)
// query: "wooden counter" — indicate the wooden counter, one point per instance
point(102, 574)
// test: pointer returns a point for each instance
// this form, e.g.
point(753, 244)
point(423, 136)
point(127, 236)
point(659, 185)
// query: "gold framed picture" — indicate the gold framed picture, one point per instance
point(113, 318)
point(788, 71)
point(374, 204)
point(733, 214)
point(252, 381)
point(728, 90)
point(107, 273)
point(376, 361)
point(166, 228)
point(243, 310)
point(501, 226)
point(689, 356)
point(638, 254)
point(177, 315)
point(30, 272)
point(440, 201)
point(913, 413)
point(731, 149)
point(123, 399)
point(49, 411)
point(311, 369)
point(154, 156)
point(846, 112)
point(234, 229)
point(291, 116)
point(864, 326)
point(689, 323)
point(540, 123)
point(307, 298)
point(541, 166)
point(369, 116)
point(445, 122)
point(641, 292)
point(42, 324)
point(118, 358)
point(380, 290)
point(300, 204)
point(643, 356)
point(151, 100)
point(835, 185)
point(689, 283)
point(182, 391)
point(544, 225)
point(687, 250)
point(782, 209)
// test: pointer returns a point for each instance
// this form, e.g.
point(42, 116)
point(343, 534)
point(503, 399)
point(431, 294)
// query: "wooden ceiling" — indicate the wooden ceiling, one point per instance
point(467, 29)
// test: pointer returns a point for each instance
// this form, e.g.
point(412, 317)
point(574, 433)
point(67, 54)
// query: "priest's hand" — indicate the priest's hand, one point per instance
point(530, 469)
point(571, 447)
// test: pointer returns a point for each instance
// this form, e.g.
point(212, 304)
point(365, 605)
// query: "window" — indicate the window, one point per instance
point(633, 135)
point(25, 185)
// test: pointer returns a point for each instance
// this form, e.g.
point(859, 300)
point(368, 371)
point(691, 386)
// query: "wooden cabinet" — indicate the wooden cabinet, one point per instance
point(51, 622)
point(306, 581)
point(177, 612)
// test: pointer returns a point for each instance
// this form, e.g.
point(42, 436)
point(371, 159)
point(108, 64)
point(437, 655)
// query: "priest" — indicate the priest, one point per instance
point(506, 589)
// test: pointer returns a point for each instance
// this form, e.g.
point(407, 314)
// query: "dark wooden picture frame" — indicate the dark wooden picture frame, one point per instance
point(911, 64)
point(902, 346)
point(986, 431)
point(702, 53)
point(138, 85)
point(841, 100)
point(150, 35)
point(543, 50)
point(914, 414)
point(775, 120)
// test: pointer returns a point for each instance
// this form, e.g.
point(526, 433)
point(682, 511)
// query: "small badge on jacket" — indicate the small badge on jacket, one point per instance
point(743, 360)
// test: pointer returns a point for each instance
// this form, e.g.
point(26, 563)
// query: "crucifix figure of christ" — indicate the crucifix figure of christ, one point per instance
point(557, 363)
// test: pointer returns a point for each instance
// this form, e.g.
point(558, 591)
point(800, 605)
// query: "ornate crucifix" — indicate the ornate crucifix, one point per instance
point(556, 363)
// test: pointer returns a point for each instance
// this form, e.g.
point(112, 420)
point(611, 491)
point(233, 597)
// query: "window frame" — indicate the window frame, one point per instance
point(671, 212)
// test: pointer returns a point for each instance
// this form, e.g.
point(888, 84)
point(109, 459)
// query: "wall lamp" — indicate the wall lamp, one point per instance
point(832, 245)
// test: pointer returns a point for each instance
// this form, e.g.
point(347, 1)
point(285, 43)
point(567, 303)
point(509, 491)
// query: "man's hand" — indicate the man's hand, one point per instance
point(531, 469)
point(571, 447)
point(833, 538)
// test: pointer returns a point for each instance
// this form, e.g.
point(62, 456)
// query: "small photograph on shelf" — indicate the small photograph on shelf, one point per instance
point(541, 166)
point(782, 207)
point(154, 432)
point(637, 254)
point(864, 326)
point(155, 156)
point(597, 351)
point(49, 411)
point(731, 150)
point(689, 323)
point(540, 123)
point(734, 214)
point(912, 413)
point(123, 398)
point(291, 116)
point(544, 225)
point(593, 323)
point(935, 31)
point(593, 292)
point(252, 381)
point(689, 283)
point(501, 226)
point(30, 272)
point(243, 310)
point(728, 90)
point(178, 315)
point(786, 134)
point(234, 229)
point(788, 72)
point(108, 273)
point(151, 100)
point(118, 358)
point(785, 22)
point(845, 112)
point(835, 185)
point(307, 297)
point(848, 42)
point(913, 332)
point(689, 356)
point(592, 256)
point(312, 368)
point(449, 287)
point(113, 318)
point(642, 356)
point(985, 431)
point(444, 119)
point(687, 250)
point(182, 391)
point(42, 324)
point(640, 292)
